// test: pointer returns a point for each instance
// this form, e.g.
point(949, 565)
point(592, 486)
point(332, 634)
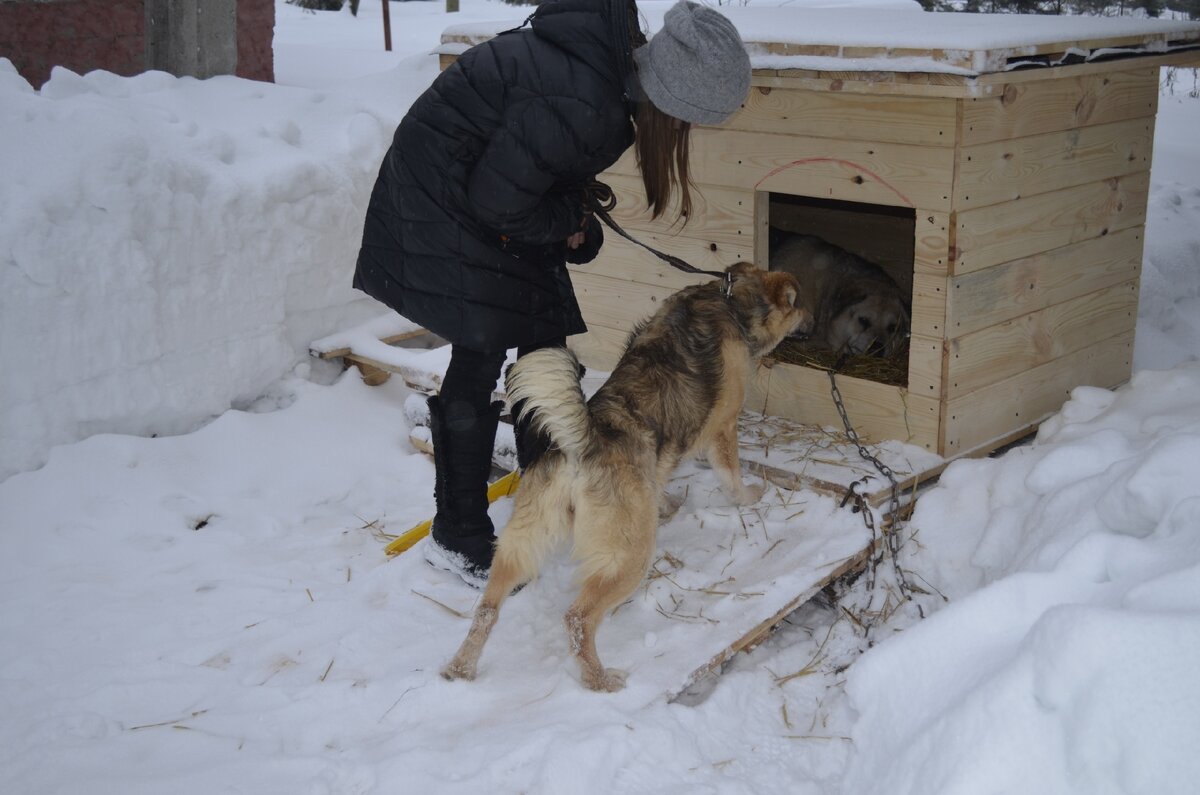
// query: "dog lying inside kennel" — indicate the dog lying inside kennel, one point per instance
point(854, 265)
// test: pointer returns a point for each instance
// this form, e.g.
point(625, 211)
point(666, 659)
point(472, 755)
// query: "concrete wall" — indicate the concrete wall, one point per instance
point(200, 38)
point(191, 38)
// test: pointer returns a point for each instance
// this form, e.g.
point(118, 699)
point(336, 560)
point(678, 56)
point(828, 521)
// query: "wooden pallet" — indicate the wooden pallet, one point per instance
point(373, 370)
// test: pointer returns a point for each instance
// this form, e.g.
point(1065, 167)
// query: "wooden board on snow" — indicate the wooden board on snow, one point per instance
point(793, 455)
point(385, 346)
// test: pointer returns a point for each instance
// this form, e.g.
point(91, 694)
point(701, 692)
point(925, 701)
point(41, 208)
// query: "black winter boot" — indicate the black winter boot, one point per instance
point(462, 538)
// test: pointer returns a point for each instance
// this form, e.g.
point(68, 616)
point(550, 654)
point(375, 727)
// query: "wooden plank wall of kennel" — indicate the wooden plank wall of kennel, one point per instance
point(1029, 190)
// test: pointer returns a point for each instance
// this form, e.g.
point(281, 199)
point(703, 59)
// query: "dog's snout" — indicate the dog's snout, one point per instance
point(805, 325)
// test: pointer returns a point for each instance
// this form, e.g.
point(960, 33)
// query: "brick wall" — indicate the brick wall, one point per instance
point(83, 35)
point(256, 36)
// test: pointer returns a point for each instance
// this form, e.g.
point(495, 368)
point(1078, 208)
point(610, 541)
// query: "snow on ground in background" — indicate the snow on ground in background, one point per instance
point(1169, 305)
point(338, 49)
point(211, 612)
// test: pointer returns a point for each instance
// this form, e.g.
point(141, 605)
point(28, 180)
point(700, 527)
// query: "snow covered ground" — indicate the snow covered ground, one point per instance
point(210, 611)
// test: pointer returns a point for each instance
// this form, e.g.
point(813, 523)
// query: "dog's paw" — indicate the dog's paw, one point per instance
point(610, 680)
point(668, 506)
point(748, 495)
point(458, 669)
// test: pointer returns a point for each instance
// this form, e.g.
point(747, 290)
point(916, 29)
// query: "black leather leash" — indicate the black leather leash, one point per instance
point(601, 201)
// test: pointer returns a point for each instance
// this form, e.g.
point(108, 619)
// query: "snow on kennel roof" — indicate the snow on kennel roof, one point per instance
point(874, 36)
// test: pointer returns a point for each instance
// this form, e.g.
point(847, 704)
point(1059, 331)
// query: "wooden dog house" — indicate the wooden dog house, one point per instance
point(998, 172)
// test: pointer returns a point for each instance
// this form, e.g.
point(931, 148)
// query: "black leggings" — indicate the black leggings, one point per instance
point(471, 377)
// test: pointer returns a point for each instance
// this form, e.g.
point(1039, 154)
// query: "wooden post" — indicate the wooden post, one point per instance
point(387, 26)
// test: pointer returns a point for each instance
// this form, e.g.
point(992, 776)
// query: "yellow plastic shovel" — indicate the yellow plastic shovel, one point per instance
point(501, 488)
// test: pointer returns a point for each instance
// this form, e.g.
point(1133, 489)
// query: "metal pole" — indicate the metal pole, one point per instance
point(387, 26)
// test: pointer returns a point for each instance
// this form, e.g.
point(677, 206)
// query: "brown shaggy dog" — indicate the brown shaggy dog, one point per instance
point(677, 390)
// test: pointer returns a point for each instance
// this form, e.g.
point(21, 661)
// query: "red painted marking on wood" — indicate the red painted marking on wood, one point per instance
point(848, 163)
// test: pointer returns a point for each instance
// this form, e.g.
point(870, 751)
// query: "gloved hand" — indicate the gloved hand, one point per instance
point(593, 238)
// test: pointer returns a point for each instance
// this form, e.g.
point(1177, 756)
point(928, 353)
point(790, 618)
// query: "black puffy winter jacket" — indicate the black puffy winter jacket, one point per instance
point(465, 233)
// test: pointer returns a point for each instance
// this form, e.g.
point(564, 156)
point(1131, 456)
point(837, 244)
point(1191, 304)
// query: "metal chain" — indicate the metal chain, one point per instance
point(863, 508)
point(892, 534)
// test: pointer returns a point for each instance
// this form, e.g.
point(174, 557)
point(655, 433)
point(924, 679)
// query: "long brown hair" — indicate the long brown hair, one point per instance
point(662, 146)
point(661, 143)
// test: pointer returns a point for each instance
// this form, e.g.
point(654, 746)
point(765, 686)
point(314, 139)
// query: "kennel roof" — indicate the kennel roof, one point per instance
point(903, 38)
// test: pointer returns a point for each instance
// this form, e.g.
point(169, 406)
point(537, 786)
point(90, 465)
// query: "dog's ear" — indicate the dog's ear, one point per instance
point(846, 294)
point(738, 269)
point(782, 288)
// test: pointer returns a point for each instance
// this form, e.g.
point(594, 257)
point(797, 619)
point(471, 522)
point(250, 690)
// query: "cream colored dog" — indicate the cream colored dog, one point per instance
point(857, 307)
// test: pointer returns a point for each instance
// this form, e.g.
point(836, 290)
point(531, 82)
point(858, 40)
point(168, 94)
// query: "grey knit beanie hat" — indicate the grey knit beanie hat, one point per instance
point(696, 68)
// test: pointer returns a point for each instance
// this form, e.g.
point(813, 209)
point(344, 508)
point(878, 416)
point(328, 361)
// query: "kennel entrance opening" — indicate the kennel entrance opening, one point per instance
point(895, 397)
point(882, 235)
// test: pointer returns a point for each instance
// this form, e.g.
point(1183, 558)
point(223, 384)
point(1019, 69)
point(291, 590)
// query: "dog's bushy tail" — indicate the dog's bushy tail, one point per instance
point(547, 380)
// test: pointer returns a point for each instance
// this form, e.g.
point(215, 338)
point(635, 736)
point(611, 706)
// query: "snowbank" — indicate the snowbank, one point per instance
point(1072, 670)
point(157, 230)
